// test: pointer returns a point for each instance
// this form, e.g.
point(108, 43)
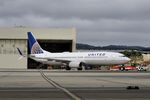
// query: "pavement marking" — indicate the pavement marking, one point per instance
point(56, 85)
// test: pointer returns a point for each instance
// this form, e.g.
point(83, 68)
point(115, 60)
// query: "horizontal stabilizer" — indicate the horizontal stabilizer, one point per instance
point(20, 52)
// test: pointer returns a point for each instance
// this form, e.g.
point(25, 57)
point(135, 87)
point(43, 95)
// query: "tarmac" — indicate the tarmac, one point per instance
point(73, 85)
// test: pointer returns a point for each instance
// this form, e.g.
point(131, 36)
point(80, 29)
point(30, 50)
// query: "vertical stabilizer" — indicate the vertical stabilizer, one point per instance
point(34, 47)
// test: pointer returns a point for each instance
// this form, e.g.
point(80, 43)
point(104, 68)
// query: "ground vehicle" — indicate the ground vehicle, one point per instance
point(114, 68)
point(141, 68)
point(122, 68)
point(130, 68)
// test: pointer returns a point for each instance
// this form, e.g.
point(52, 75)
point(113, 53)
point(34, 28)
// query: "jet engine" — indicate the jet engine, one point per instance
point(75, 64)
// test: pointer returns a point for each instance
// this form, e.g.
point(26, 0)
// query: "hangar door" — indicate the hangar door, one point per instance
point(51, 46)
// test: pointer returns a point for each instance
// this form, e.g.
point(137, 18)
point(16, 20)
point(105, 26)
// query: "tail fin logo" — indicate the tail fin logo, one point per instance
point(36, 49)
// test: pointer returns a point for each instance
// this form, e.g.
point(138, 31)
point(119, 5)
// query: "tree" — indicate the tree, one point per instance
point(134, 55)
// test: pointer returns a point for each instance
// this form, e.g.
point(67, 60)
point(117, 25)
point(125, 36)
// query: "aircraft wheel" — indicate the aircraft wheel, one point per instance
point(80, 68)
point(68, 68)
point(122, 68)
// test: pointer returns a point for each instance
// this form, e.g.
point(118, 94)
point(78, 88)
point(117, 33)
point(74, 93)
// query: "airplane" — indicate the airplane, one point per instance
point(72, 59)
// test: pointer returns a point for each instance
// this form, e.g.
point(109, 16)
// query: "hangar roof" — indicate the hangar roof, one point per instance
point(40, 33)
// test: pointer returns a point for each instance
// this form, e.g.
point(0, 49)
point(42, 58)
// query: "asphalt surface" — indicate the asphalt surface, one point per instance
point(83, 93)
point(87, 85)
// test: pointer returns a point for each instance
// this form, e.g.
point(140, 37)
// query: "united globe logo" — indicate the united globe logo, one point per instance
point(36, 49)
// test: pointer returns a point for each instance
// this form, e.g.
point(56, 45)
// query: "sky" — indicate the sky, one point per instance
point(97, 22)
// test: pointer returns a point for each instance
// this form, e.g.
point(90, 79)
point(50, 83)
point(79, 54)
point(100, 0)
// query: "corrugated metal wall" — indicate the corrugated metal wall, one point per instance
point(9, 55)
point(9, 46)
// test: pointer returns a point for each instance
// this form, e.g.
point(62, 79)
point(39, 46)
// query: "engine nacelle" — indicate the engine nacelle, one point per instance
point(75, 64)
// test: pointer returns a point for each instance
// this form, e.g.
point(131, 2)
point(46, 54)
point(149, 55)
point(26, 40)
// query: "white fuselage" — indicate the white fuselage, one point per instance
point(90, 58)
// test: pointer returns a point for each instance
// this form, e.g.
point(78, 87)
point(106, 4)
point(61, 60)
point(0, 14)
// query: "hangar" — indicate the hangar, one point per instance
point(50, 39)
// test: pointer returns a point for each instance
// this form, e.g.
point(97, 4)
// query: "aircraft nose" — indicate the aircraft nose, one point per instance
point(128, 59)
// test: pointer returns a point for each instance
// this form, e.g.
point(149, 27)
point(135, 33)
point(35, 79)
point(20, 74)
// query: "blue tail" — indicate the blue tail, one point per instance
point(34, 47)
